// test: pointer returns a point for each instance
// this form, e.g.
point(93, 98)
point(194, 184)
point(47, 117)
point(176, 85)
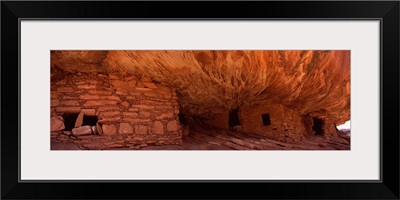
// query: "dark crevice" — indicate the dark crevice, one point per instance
point(182, 119)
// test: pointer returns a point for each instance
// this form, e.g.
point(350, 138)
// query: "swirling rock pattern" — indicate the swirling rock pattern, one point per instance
point(208, 82)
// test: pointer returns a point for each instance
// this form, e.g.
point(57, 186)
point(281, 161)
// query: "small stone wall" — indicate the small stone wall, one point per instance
point(286, 124)
point(132, 112)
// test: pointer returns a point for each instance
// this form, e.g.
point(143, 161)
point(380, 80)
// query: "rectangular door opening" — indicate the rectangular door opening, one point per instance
point(234, 118)
point(318, 126)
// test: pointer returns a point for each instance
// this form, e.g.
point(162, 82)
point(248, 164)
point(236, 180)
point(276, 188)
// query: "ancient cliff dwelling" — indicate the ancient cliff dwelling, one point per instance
point(199, 100)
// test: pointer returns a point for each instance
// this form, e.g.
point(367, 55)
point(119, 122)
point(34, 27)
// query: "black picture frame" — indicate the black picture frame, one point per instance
point(386, 11)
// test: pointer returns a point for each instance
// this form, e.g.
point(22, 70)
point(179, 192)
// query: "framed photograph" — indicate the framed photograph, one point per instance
point(178, 96)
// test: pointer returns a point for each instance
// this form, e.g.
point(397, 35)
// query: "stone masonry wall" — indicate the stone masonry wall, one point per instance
point(132, 112)
point(286, 124)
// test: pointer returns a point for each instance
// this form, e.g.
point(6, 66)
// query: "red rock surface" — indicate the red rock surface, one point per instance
point(209, 82)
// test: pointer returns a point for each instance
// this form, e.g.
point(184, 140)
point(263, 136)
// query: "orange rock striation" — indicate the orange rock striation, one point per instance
point(209, 82)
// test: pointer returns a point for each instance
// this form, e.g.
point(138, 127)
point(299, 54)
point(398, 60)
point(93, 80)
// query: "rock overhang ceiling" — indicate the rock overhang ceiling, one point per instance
point(210, 81)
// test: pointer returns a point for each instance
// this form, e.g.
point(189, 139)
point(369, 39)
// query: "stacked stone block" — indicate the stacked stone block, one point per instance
point(132, 111)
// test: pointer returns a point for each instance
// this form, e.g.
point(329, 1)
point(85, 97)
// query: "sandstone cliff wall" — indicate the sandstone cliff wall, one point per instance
point(208, 82)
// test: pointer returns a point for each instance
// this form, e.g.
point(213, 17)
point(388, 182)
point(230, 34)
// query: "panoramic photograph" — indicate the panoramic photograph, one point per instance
point(200, 100)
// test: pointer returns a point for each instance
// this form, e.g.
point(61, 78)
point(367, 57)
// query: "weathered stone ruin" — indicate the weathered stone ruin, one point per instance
point(134, 99)
point(273, 121)
point(276, 122)
point(114, 110)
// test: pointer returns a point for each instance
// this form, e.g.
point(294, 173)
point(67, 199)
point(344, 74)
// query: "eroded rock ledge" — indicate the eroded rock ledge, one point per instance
point(279, 94)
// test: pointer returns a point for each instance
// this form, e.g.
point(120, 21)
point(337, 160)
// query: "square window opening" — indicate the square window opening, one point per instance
point(266, 119)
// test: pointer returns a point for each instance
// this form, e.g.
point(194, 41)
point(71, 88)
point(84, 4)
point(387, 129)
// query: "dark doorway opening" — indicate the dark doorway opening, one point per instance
point(318, 126)
point(234, 118)
point(70, 119)
point(266, 119)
